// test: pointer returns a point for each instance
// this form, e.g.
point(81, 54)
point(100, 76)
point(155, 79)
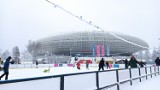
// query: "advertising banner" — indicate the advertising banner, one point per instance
point(102, 50)
point(108, 51)
point(98, 50)
point(93, 51)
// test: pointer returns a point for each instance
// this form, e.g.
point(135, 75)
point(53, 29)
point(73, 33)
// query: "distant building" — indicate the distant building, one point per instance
point(89, 44)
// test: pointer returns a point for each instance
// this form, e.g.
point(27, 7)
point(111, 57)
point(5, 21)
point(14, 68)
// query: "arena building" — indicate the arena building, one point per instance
point(89, 44)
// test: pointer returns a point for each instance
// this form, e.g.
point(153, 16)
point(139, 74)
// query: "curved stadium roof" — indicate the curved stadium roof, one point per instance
point(82, 43)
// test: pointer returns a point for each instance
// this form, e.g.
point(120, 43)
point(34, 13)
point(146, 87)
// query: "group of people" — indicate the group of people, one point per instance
point(133, 63)
point(78, 65)
point(102, 63)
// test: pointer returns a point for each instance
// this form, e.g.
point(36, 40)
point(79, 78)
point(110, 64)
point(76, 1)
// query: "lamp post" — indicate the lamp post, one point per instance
point(47, 56)
point(70, 53)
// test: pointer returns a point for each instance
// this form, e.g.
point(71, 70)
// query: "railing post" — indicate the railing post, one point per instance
point(146, 73)
point(62, 83)
point(155, 70)
point(130, 73)
point(139, 69)
point(151, 71)
point(97, 80)
point(158, 70)
point(117, 75)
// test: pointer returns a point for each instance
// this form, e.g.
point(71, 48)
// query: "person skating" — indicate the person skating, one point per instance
point(133, 62)
point(107, 65)
point(126, 63)
point(87, 65)
point(141, 64)
point(157, 61)
point(78, 66)
point(36, 64)
point(6, 68)
point(101, 65)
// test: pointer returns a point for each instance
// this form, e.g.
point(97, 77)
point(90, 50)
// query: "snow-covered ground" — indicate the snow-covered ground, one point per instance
point(150, 84)
point(74, 82)
point(37, 72)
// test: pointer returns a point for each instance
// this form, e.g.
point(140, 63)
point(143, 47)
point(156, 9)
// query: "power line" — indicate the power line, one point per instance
point(79, 17)
point(90, 23)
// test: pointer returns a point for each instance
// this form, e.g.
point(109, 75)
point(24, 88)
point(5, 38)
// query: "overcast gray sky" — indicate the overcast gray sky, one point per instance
point(23, 20)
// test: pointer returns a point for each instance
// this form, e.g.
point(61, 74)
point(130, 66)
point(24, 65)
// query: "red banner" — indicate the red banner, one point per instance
point(98, 50)
point(102, 50)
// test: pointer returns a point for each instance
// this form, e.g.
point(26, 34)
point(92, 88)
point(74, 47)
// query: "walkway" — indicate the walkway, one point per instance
point(150, 84)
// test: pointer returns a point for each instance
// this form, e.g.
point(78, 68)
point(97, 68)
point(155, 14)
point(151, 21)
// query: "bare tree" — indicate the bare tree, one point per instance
point(26, 56)
point(33, 48)
point(154, 54)
point(16, 55)
point(5, 54)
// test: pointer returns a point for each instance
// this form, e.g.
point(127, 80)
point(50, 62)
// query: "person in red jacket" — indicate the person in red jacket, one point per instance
point(78, 65)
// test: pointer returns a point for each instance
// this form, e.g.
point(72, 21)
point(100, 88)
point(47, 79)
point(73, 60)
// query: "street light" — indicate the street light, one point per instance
point(47, 56)
point(70, 52)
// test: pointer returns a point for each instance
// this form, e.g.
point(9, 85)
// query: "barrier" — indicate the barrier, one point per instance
point(59, 65)
point(96, 80)
point(55, 65)
point(116, 65)
point(70, 65)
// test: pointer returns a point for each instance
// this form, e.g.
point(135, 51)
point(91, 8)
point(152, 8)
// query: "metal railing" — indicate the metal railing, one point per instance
point(154, 70)
point(130, 74)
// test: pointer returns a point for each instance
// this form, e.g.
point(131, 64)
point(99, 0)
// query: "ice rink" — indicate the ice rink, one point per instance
point(150, 84)
point(38, 72)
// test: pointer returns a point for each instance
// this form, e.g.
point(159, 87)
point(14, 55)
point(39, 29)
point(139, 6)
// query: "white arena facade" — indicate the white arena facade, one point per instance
point(89, 44)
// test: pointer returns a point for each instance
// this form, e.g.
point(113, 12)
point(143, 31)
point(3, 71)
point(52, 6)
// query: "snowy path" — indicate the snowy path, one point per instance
point(150, 84)
point(38, 72)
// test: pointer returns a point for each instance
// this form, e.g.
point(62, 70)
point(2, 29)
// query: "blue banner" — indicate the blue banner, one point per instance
point(108, 51)
point(93, 51)
point(60, 65)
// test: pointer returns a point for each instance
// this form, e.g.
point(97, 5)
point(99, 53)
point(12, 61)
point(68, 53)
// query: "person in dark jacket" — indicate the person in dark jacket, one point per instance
point(6, 68)
point(133, 62)
point(36, 64)
point(157, 61)
point(126, 63)
point(87, 65)
point(101, 65)
point(141, 64)
point(107, 65)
